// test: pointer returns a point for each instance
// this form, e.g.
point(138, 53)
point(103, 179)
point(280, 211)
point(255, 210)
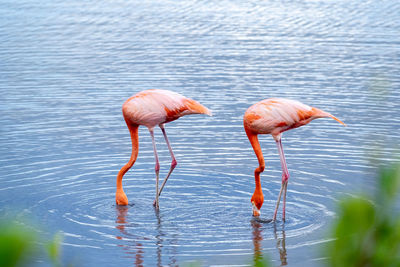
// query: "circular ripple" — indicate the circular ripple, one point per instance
point(198, 215)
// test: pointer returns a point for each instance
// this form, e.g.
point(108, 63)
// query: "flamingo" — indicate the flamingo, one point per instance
point(151, 108)
point(274, 116)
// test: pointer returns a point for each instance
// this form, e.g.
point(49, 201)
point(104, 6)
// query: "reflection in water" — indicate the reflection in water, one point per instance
point(281, 245)
point(122, 211)
point(159, 237)
point(258, 237)
point(135, 250)
point(160, 240)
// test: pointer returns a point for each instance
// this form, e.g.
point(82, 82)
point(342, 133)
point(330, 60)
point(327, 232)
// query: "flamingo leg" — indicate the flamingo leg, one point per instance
point(285, 179)
point(283, 189)
point(277, 203)
point(284, 201)
point(173, 162)
point(157, 167)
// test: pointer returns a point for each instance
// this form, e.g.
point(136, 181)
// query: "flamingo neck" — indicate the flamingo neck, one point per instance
point(133, 129)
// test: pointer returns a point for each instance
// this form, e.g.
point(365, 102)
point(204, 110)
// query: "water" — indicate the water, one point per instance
point(66, 67)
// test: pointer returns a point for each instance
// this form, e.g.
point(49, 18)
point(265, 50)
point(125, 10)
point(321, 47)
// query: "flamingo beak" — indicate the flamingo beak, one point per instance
point(256, 211)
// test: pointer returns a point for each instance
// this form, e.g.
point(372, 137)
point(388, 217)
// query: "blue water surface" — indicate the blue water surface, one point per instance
point(66, 67)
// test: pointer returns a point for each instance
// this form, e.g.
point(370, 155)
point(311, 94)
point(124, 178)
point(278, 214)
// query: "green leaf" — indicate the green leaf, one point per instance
point(16, 244)
point(389, 183)
point(54, 249)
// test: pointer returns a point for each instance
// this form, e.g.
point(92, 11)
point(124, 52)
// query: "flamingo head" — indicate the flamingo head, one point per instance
point(121, 198)
point(256, 211)
point(257, 201)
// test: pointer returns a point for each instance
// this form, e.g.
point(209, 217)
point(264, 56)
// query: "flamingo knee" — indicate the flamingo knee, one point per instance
point(285, 177)
point(174, 163)
point(157, 167)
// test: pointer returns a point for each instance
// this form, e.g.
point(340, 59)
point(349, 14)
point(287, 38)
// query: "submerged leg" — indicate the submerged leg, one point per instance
point(285, 179)
point(173, 162)
point(157, 167)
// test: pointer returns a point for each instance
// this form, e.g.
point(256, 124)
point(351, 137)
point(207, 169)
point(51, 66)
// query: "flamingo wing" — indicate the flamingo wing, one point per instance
point(155, 106)
point(275, 115)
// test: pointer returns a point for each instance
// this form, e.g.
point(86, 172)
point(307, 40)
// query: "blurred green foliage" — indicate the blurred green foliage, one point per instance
point(367, 231)
point(54, 249)
point(261, 261)
point(16, 244)
point(20, 245)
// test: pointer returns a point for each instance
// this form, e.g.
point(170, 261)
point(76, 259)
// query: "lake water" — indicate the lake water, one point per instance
point(66, 67)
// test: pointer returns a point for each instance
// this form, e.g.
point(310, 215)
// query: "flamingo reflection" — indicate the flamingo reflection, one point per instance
point(281, 245)
point(258, 228)
point(134, 248)
point(257, 239)
point(137, 253)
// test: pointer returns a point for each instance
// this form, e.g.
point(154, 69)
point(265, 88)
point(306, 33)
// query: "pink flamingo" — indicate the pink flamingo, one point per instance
point(151, 108)
point(274, 116)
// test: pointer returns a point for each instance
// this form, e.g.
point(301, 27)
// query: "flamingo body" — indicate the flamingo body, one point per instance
point(275, 116)
point(151, 108)
point(154, 107)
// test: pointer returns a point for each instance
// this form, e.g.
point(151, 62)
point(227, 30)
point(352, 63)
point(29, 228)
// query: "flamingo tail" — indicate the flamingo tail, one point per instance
point(336, 119)
point(322, 114)
point(197, 108)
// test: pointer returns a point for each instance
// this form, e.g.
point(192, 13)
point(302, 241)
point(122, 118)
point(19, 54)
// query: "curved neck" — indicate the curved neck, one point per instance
point(257, 150)
point(134, 131)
